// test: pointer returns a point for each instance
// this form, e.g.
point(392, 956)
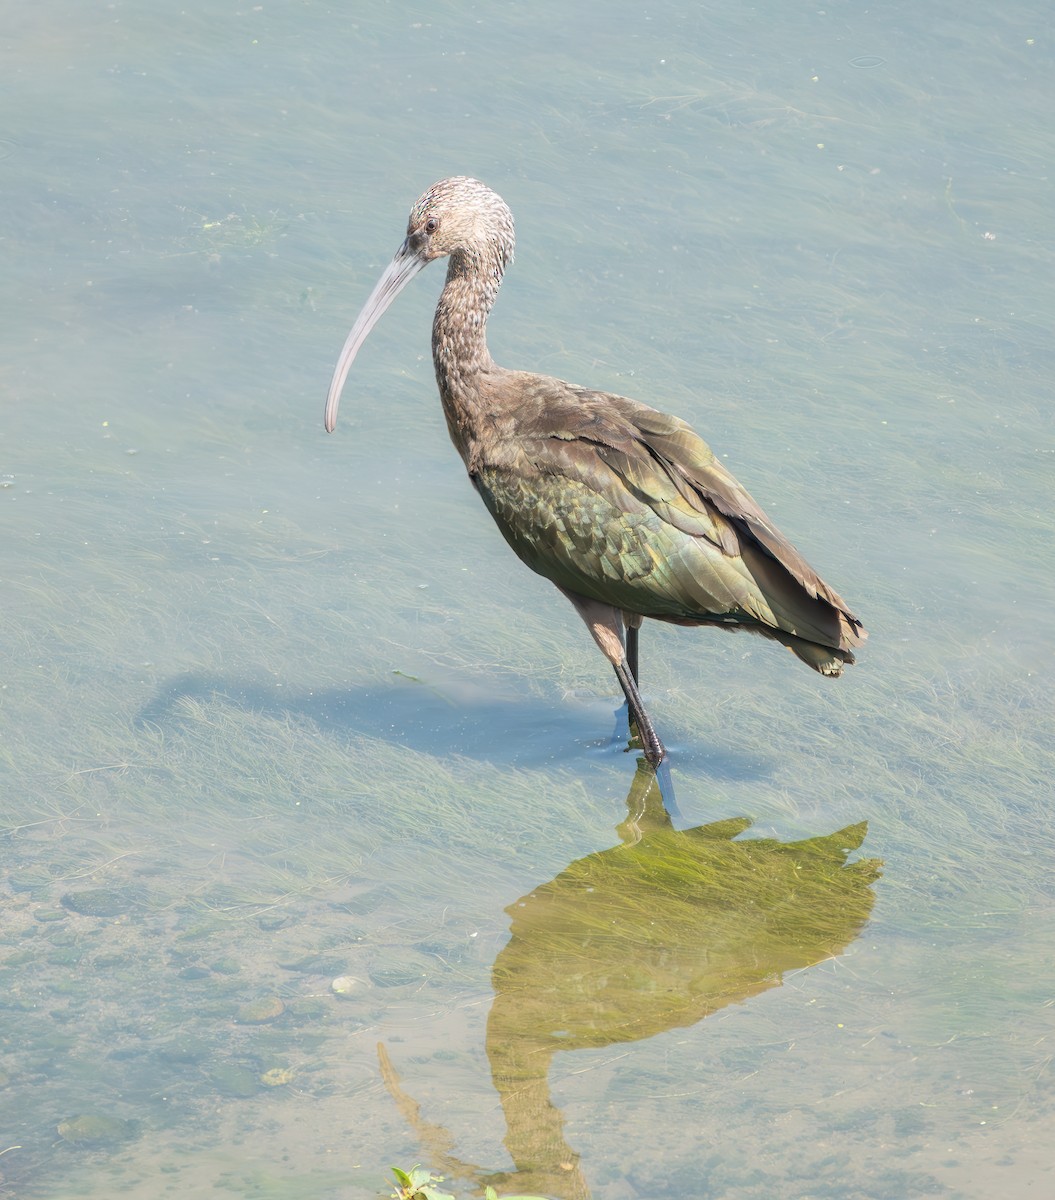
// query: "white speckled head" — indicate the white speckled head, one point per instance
point(457, 217)
point(461, 213)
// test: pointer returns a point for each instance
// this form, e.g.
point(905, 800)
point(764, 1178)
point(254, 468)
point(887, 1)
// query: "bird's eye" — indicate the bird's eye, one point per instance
point(432, 224)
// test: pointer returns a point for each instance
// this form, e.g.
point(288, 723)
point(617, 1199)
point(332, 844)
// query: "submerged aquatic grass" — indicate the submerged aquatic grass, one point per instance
point(279, 710)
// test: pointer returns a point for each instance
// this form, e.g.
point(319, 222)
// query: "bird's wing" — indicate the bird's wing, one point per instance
point(703, 481)
point(585, 504)
point(570, 517)
point(626, 504)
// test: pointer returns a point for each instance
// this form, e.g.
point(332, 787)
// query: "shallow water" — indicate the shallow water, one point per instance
point(279, 708)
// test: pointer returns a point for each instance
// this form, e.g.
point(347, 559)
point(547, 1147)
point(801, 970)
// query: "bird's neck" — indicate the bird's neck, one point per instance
point(459, 340)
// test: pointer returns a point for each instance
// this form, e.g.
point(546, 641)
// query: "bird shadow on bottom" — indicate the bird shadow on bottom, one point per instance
point(475, 718)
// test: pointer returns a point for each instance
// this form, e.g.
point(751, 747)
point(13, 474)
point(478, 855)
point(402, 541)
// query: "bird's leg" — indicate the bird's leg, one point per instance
point(651, 745)
point(638, 716)
point(605, 623)
point(633, 624)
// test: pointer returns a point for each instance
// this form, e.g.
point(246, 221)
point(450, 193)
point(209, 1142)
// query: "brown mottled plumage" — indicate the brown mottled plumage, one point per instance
point(624, 508)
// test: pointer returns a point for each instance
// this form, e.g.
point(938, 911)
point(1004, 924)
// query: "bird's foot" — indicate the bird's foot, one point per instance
point(628, 735)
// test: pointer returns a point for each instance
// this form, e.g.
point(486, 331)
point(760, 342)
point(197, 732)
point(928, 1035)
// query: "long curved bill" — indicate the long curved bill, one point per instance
point(395, 277)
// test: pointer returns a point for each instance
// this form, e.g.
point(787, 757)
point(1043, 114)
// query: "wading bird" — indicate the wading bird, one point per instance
point(623, 508)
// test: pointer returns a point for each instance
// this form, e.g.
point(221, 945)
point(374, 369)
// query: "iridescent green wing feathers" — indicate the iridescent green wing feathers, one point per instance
point(616, 501)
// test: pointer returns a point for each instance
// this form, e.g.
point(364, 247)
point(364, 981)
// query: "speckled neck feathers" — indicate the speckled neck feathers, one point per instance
point(459, 328)
point(475, 228)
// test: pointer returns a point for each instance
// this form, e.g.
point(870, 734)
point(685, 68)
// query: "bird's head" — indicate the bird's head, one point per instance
point(461, 215)
point(460, 218)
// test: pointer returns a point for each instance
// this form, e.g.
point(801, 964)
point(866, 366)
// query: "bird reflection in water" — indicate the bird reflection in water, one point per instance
point(651, 935)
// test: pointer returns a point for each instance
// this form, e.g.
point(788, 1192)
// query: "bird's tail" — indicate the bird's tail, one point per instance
point(828, 660)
